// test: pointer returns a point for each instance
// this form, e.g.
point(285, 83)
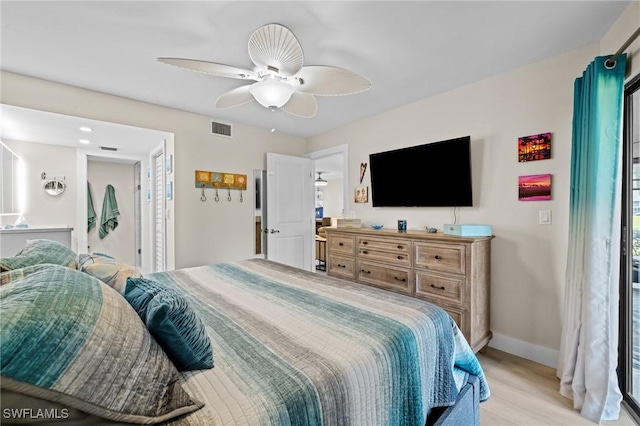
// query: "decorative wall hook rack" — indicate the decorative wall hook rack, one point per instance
point(229, 181)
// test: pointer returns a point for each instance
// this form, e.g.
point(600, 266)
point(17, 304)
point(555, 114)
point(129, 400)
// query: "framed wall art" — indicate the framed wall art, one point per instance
point(534, 147)
point(362, 194)
point(534, 187)
point(169, 164)
point(169, 190)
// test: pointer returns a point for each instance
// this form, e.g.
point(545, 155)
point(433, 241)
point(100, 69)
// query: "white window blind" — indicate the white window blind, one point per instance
point(159, 212)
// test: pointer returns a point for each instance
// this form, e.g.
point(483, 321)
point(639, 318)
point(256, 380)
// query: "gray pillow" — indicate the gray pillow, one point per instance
point(71, 339)
point(38, 252)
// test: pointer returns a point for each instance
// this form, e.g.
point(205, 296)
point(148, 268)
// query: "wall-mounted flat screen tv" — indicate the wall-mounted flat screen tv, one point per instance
point(436, 174)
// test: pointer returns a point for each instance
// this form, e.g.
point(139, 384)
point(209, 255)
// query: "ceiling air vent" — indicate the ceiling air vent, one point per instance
point(108, 148)
point(221, 129)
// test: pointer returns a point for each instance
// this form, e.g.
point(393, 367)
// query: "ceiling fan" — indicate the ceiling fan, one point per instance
point(279, 78)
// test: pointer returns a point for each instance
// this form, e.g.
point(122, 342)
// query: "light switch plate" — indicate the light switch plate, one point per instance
point(544, 217)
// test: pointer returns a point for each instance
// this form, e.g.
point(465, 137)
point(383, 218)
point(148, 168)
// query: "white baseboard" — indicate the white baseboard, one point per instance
point(539, 354)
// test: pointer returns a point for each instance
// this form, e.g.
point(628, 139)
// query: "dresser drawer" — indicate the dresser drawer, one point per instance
point(341, 267)
point(342, 244)
point(457, 313)
point(440, 257)
point(459, 318)
point(387, 277)
point(449, 288)
point(392, 246)
point(400, 259)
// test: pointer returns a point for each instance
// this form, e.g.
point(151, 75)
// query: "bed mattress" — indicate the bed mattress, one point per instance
point(294, 347)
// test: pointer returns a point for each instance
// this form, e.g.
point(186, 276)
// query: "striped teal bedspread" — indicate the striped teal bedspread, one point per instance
point(296, 348)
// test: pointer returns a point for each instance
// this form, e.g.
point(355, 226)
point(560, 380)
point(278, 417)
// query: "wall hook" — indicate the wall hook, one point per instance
point(229, 196)
point(217, 198)
point(203, 197)
point(241, 200)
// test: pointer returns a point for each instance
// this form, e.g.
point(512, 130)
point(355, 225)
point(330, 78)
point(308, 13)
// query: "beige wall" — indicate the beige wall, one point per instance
point(120, 242)
point(332, 198)
point(620, 32)
point(528, 259)
point(202, 233)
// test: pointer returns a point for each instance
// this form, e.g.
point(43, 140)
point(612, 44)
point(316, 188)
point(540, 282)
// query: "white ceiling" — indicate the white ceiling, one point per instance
point(23, 124)
point(409, 50)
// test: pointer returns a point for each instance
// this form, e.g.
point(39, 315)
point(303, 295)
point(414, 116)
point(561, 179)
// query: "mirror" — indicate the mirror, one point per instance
point(54, 187)
point(8, 163)
point(260, 209)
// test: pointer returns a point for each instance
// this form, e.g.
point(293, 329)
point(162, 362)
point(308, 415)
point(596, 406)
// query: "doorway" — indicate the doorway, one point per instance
point(120, 176)
point(330, 194)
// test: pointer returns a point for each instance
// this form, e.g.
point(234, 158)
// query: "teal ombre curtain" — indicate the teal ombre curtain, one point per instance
point(589, 344)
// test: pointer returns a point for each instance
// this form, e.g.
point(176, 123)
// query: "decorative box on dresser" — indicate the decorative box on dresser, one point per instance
point(450, 271)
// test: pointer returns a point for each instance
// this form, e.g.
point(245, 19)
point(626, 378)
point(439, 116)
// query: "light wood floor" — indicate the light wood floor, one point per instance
point(526, 393)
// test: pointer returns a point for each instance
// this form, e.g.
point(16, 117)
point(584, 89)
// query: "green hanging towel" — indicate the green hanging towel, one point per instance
point(91, 213)
point(110, 212)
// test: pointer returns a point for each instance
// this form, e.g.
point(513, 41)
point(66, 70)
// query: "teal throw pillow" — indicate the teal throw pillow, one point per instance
point(172, 322)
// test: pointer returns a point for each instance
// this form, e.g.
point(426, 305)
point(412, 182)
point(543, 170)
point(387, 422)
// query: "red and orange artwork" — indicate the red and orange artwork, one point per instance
point(534, 187)
point(534, 147)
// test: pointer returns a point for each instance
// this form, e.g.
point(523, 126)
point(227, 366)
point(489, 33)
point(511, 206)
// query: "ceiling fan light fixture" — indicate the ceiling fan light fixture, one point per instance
point(320, 181)
point(271, 92)
point(281, 79)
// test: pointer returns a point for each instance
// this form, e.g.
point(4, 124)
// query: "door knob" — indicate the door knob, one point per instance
point(274, 231)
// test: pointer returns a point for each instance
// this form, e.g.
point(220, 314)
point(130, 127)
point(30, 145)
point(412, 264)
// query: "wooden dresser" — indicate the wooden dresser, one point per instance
point(451, 272)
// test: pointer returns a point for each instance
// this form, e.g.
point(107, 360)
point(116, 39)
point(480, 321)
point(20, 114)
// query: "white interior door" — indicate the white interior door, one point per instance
point(290, 210)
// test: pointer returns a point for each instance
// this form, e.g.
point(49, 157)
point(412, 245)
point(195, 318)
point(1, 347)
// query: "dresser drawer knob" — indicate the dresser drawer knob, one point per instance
point(340, 244)
point(341, 266)
point(366, 272)
point(439, 288)
point(365, 242)
point(365, 252)
point(400, 279)
point(399, 247)
point(400, 257)
point(436, 257)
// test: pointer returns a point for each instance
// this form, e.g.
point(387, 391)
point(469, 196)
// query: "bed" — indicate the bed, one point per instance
point(289, 347)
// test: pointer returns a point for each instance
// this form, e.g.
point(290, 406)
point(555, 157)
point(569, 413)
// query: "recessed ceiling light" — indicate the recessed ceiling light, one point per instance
point(85, 141)
point(86, 129)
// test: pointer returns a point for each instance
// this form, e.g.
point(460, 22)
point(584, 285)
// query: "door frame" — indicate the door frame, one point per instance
point(82, 159)
point(625, 323)
point(330, 152)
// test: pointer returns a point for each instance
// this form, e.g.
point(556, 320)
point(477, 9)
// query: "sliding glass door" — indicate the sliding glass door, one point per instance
point(629, 359)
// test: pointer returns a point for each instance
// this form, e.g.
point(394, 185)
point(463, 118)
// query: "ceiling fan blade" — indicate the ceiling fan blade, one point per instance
point(301, 104)
point(275, 48)
point(324, 80)
point(238, 96)
point(212, 68)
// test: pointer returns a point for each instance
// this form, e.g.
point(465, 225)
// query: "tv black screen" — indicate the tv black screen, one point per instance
point(431, 175)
